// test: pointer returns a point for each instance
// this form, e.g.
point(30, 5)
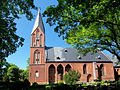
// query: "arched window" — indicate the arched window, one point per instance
point(102, 70)
point(37, 33)
point(37, 57)
point(37, 43)
point(51, 73)
point(60, 71)
point(84, 69)
point(67, 68)
point(36, 74)
point(33, 40)
point(41, 40)
point(33, 43)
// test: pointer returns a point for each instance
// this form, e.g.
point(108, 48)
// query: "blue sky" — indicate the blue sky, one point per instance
point(24, 29)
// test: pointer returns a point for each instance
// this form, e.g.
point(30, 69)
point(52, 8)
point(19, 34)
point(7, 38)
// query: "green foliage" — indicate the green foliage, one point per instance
point(9, 40)
point(26, 74)
point(13, 73)
point(5, 70)
point(61, 82)
point(28, 62)
point(87, 25)
point(21, 75)
point(35, 84)
point(71, 77)
point(48, 87)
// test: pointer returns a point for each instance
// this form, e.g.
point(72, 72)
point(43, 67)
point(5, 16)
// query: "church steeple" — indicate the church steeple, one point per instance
point(37, 50)
point(38, 32)
point(38, 23)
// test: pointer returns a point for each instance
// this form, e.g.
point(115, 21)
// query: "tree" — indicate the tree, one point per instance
point(13, 74)
point(5, 70)
point(28, 62)
point(21, 74)
point(87, 25)
point(26, 72)
point(71, 77)
point(9, 40)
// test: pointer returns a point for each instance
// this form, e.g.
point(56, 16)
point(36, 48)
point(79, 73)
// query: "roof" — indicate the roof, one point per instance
point(66, 54)
point(38, 23)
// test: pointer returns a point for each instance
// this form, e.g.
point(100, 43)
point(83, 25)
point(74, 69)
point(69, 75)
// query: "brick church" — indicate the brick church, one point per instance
point(49, 64)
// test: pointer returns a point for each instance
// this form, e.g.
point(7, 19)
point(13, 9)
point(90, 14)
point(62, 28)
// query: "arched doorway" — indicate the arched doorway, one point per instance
point(67, 68)
point(51, 73)
point(60, 71)
point(88, 77)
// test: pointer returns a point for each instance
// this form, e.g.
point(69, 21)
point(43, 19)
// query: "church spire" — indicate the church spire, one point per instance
point(38, 22)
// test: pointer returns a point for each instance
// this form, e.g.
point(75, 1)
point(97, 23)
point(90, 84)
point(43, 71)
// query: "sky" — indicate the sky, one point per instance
point(24, 29)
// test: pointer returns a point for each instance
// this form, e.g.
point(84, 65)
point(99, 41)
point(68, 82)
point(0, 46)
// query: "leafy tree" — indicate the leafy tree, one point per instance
point(5, 70)
point(9, 40)
point(13, 73)
point(71, 77)
point(87, 24)
point(26, 72)
point(21, 74)
point(28, 62)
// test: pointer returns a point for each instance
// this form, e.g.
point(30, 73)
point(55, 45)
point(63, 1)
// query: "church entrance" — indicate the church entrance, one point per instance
point(51, 74)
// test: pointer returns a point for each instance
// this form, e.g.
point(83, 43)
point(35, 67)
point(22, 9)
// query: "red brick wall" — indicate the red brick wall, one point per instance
point(108, 70)
point(41, 70)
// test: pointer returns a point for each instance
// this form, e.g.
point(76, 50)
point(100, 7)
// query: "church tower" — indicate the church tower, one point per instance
point(37, 51)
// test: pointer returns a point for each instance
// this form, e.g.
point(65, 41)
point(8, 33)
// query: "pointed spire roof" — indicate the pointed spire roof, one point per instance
point(38, 23)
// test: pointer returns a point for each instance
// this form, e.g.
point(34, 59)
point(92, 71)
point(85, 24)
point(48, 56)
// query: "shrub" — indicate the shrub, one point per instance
point(61, 82)
point(35, 84)
point(71, 77)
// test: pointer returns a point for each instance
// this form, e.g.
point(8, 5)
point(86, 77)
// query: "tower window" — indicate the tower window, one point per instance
point(37, 43)
point(37, 57)
point(33, 40)
point(33, 44)
point(41, 40)
point(37, 33)
point(36, 74)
